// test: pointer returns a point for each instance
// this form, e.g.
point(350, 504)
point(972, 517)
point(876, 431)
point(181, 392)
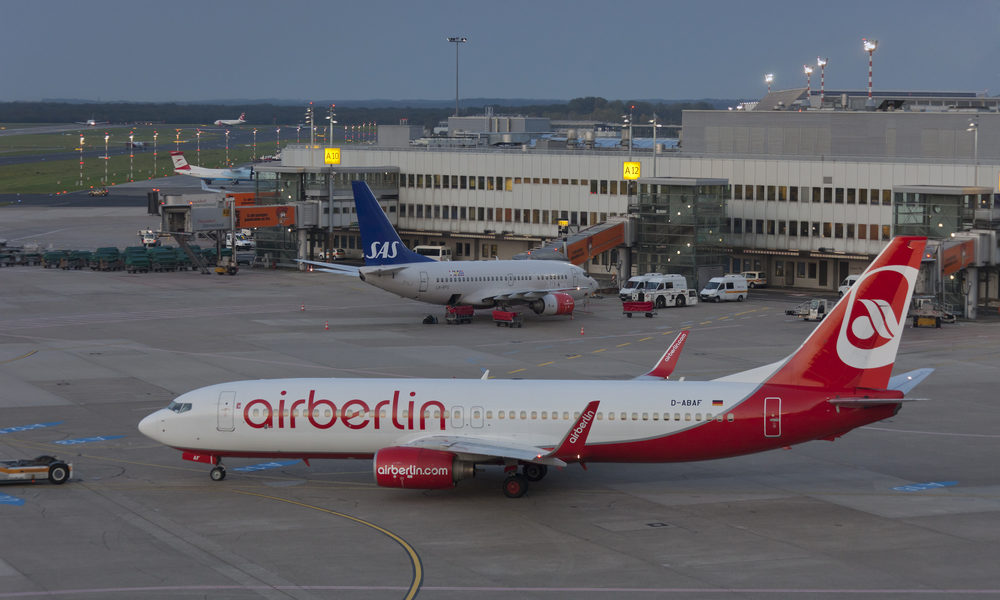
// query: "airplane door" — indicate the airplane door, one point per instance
point(227, 400)
point(772, 417)
point(423, 281)
point(477, 417)
point(510, 279)
point(457, 417)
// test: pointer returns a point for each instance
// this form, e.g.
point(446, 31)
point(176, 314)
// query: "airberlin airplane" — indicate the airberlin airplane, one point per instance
point(548, 287)
point(431, 433)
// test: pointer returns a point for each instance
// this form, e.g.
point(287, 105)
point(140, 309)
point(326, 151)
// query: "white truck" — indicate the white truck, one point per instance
point(665, 290)
point(727, 287)
point(633, 285)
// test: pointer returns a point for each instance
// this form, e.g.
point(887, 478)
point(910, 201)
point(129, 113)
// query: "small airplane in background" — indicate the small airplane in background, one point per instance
point(546, 287)
point(232, 122)
point(181, 167)
point(92, 123)
point(431, 433)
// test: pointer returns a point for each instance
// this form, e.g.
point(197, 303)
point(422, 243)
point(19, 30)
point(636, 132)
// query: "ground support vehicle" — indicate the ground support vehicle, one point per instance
point(633, 285)
point(458, 315)
point(726, 288)
point(76, 260)
point(811, 310)
point(755, 279)
point(927, 312)
point(41, 467)
point(162, 259)
point(507, 318)
point(53, 258)
point(634, 306)
point(136, 259)
point(107, 258)
point(99, 192)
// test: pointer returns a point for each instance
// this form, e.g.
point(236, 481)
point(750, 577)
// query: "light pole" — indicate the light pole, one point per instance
point(821, 63)
point(81, 160)
point(131, 154)
point(197, 134)
point(808, 71)
point(156, 134)
point(332, 117)
point(769, 79)
point(655, 126)
point(628, 121)
point(457, 41)
point(298, 129)
point(227, 147)
point(974, 128)
point(277, 141)
point(253, 154)
point(106, 157)
point(869, 46)
point(309, 122)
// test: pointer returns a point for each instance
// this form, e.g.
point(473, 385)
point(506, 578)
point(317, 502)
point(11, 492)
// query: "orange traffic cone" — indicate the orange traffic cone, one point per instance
point(581, 331)
point(303, 307)
point(326, 326)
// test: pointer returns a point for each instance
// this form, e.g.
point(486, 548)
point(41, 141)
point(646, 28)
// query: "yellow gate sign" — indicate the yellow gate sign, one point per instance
point(630, 171)
point(331, 156)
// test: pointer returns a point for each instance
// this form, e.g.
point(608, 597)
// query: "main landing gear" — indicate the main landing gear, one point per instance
point(515, 484)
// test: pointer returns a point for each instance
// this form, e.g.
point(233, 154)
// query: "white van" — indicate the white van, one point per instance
point(440, 253)
point(725, 288)
point(633, 285)
point(663, 290)
point(755, 279)
point(846, 284)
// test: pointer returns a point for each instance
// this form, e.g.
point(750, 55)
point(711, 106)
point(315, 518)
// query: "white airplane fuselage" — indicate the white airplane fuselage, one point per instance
point(217, 174)
point(476, 282)
point(658, 421)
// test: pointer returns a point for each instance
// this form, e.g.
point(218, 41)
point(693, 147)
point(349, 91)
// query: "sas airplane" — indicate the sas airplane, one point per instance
point(231, 122)
point(431, 433)
point(546, 287)
point(181, 167)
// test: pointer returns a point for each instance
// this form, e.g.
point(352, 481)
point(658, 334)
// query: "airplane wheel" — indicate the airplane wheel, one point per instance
point(515, 486)
point(218, 473)
point(535, 472)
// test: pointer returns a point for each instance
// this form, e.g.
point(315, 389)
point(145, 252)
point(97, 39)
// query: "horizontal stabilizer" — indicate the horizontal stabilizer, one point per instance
point(326, 267)
point(905, 382)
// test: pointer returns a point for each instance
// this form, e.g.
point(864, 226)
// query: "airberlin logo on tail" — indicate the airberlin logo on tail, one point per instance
point(873, 320)
point(582, 427)
point(383, 250)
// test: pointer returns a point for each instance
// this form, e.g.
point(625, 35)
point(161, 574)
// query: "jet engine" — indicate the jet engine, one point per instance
point(555, 303)
point(419, 468)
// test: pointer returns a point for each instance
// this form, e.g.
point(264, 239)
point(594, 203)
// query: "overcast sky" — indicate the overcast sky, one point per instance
point(396, 49)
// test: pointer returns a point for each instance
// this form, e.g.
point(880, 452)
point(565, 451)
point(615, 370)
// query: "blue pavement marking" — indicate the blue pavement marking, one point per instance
point(12, 500)
point(28, 427)
point(96, 438)
point(919, 487)
point(265, 466)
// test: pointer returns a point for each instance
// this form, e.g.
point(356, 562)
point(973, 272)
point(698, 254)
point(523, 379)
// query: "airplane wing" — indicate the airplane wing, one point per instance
point(326, 267)
point(519, 296)
point(665, 366)
point(570, 448)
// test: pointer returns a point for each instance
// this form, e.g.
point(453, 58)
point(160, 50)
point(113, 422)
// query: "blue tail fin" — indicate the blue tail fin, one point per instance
point(379, 240)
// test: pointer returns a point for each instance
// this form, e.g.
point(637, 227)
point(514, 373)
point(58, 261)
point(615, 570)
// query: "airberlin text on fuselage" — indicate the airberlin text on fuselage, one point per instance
point(354, 414)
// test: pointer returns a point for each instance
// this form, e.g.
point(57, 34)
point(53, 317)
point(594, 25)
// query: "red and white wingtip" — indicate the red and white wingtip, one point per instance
point(665, 366)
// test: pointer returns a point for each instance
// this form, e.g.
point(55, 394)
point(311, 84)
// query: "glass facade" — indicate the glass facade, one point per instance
point(681, 227)
point(935, 212)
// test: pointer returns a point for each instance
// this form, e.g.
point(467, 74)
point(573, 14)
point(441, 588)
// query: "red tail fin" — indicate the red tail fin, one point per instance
point(855, 346)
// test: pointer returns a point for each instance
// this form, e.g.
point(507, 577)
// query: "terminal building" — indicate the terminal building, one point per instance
point(805, 188)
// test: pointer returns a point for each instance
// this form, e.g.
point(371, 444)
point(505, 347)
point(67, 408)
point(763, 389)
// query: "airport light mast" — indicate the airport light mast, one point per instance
point(106, 157)
point(869, 46)
point(332, 117)
point(81, 160)
point(253, 154)
point(974, 129)
point(131, 154)
point(769, 79)
point(227, 147)
point(457, 41)
point(821, 63)
point(197, 134)
point(808, 71)
point(156, 134)
point(655, 126)
point(309, 122)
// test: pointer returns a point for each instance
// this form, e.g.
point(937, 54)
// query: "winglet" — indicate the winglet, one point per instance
point(571, 447)
point(665, 366)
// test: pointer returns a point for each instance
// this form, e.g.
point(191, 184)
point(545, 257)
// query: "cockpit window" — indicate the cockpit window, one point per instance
point(179, 407)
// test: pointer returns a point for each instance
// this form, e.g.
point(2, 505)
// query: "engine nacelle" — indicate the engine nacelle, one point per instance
point(555, 303)
point(419, 468)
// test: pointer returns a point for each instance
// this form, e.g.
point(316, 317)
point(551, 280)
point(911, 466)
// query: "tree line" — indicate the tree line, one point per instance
point(265, 114)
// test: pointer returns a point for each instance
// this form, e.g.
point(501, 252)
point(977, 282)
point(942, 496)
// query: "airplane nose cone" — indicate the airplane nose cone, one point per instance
point(150, 425)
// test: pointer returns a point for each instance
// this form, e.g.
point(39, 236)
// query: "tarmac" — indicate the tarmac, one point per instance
point(908, 506)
